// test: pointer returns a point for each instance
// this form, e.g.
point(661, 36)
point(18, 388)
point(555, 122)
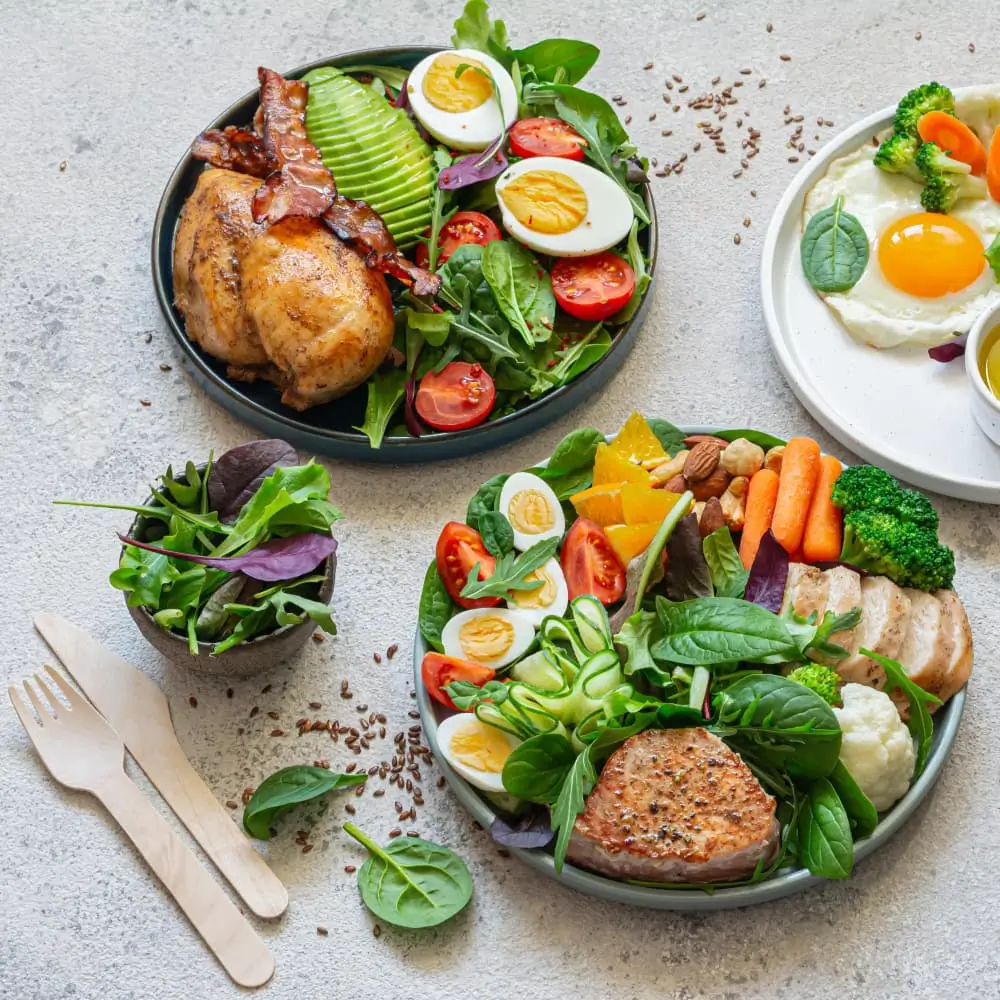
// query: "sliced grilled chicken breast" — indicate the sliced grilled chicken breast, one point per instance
point(675, 805)
point(885, 617)
point(805, 590)
point(929, 642)
point(960, 664)
point(843, 595)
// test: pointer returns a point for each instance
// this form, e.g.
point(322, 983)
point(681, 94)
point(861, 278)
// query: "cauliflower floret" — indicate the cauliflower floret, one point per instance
point(877, 747)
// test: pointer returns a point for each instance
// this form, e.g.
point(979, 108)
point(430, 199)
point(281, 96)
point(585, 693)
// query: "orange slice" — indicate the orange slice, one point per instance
point(631, 540)
point(600, 504)
point(610, 467)
point(636, 442)
point(643, 505)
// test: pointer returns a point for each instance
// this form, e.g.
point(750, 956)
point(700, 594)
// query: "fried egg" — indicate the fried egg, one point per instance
point(475, 750)
point(453, 98)
point(551, 598)
point(561, 207)
point(532, 508)
point(492, 637)
point(926, 280)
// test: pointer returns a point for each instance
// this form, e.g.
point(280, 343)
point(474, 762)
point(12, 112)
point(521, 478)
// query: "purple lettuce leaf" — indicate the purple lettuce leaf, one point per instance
point(947, 352)
point(474, 168)
point(531, 830)
point(410, 418)
point(768, 575)
point(276, 560)
point(688, 576)
point(237, 474)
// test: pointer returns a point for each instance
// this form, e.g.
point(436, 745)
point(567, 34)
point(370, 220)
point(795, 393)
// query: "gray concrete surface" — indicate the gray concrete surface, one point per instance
point(102, 99)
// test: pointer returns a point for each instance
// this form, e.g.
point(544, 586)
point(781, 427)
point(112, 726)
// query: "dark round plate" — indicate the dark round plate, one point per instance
point(329, 429)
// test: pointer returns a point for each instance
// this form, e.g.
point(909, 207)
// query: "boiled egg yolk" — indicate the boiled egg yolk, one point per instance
point(540, 597)
point(469, 89)
point(546, 201)
point(529, 512)
point(929, 255)
point(480, 747)
point(486, 638)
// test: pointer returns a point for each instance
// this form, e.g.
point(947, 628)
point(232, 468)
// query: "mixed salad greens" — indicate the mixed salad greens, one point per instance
point(232, 550)
point(519, 189)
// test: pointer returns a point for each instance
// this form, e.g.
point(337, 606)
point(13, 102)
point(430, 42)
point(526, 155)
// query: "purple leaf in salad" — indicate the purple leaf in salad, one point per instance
point(531, 830)
point(237, 475)
point(474, 168)
point(688, 576)
point(403, 102)
point(410, 418)
point(276, 560)
point(947, 352)
point(768, 575)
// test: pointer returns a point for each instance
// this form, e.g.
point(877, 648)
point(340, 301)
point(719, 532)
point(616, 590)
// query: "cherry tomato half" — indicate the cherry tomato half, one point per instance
point(459, 548)
point(546, 137)
point(461, 228)
point(593, 288)
point(438, 671)
point(460, 396)
point(590, 564)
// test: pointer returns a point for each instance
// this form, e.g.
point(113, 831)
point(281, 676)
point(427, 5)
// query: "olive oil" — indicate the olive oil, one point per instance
point(989, 361)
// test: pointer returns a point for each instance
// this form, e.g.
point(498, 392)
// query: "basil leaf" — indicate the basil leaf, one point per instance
point(290, 787)
point(563, 58)
point(688, 576)
point(385, 393)
point(484, 500)
point(765, 440)
point(537, 768)
point(637, 262)
point(498, 535)
point(860, 810)
point(571, 467)
point(522, 289)
point(834, 249)
point(570, 802)
point(412, 882)
point(729, 578)
point(824, 833)
point(436, 608)
point(672, 438)
point(992, 256)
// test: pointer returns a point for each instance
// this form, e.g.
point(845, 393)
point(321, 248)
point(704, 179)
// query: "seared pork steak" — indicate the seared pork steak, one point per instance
point(675, 805)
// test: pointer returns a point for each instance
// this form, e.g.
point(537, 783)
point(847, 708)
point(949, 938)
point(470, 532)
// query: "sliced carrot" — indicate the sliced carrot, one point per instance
point(954, 137)
point(796, 485)
point(824, 535)
point(993, 166)
point(761, 496)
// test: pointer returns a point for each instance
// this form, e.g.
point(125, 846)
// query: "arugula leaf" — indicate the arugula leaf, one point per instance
point(521, 288)
point(637, 262)
point(498, 535)
point(385, 393)
point(570, 469)
point(274, 609)
point(442, 208)
point(484, 500)
point(510, 572)
point(729, 578)
point(287, 788)
point(436, 607)
point(825, 843)
point(571, 801)
point(572, 362)
point(557, 60)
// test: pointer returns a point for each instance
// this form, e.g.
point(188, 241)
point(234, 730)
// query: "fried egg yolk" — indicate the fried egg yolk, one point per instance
point(540, 597)
point(546, 201)
point(529, 512)
point(486, 638)
point(480, 747)
point(469, 89)
point(929, 255)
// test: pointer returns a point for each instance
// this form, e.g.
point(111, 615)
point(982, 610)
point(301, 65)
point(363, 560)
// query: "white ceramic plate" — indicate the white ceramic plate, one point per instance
point(895, 408)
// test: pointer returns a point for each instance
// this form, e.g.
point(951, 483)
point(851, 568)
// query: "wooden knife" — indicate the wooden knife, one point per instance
point(137, 709)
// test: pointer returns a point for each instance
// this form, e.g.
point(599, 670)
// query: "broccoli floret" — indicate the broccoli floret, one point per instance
point(867, 487)
point(946, 180)
point(824, 681)
point(906, 553)
point(920, 100)
point(897, 155)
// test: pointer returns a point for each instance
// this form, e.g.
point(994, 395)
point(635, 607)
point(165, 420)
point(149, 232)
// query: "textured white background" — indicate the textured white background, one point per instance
point(117, 91)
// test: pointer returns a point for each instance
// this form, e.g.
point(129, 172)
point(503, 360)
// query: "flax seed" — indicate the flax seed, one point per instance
point(793, 159)
point(441, 782)
point(785, 58)
point(737, 239)
point(700, 17)
point(715, 80)
point(972, 48)
point(230, 804)
point(307, 848)
point(240, 731)
point(770, 27)
point(377, 930)
point(395, 832)
point(350, 768)
point(322, 931)
point(349, 809)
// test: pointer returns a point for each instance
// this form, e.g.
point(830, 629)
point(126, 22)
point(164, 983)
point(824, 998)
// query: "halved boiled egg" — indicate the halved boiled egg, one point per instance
point(551, 598)
point(532, 508)
point(475, 750)
point(453, 98)
point(561, 207)
point(493, 637)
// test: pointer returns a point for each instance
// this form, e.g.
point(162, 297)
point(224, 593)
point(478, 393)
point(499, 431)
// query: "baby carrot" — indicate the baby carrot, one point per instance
point(761, 495)
point(796, 485)
point(824, 536)
point(993, 166)
point(954, 137)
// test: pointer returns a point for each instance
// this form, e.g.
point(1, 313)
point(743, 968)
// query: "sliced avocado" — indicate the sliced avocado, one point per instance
point(405, 218)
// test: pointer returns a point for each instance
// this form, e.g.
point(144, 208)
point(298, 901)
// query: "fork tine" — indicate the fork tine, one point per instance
point(56, 707)
point(27, 719)
point(36, 704)
point(69, 693)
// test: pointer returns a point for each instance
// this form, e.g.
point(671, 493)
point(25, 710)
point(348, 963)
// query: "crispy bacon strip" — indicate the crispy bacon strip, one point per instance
point(234, 149)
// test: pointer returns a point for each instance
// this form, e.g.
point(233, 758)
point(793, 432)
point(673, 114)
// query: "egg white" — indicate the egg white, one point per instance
point(524, 635)
point(874, 311)
point(609, 212)
point(515, 484)
point(465, 130)
point(484, 780)
point(557, 606)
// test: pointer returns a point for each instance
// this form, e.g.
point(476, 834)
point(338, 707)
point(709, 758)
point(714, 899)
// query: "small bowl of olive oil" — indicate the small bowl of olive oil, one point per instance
point(982, 364)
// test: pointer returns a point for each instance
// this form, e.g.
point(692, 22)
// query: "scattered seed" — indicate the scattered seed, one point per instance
point(322, 931)
point(392, 650)
point(918, 36)
point(230, 804)
point(412, 833)
point(677, 78)
point(682, 90)
point(737, 239)
point(746, 71)
point(770, 27)
point(652, 116)
point(349, 809)
point(193, 701)
point(648, 66)
point(676, 107)
point(166, 368)
point(274, 715)
point(314, 705)
point(360, 790)
point(696, 147)
point(247, 794)
point(737, 173)
point(700, 17)
point(753, 194)
point(377, 930)
point(395, 832)
point(715, 80)
point(628, 121)
point(145, 402)
point(793, 159)
point(307, 848)
point(667, 131)
point(746, 222)
point(277, 732)
point(762, 83)
point(785, 58)
point(377, 657)
point(972, 48)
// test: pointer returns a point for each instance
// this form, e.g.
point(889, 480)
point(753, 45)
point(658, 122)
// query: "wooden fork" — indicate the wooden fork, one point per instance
point(82, 751)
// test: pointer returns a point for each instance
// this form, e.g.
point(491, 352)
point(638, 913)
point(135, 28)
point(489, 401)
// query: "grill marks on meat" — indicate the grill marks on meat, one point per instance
point(675, 805)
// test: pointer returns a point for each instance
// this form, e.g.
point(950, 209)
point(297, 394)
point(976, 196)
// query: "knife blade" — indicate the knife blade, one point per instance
point(138, 710)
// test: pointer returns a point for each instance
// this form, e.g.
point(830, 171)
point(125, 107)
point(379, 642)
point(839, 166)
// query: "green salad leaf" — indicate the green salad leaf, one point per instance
point(992, 255)
point(498, 535)
point(436, 607)
point(637, 261)
point(571, 801)
point(824, 833)
point(582, 354)
point(765, 440)
point(521, 288)
point(671, 437)
point(385, 393)
point(571, 467)
point(511, 571)
point(860, 809)
point(485, 500)
point(537, 768)
point(729, 578)
point(289, 787)
point(834, 249)
point(557, 60)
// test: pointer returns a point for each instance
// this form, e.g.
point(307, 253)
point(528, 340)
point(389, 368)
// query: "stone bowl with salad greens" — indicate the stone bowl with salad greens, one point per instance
point(692, 669)
point(229, 566)
point(517, 194)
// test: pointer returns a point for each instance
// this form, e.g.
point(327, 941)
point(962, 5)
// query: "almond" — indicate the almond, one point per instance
point(712, 517)
point(711, 486)
point(676, 485)
point(692, 439)
point(702, 461)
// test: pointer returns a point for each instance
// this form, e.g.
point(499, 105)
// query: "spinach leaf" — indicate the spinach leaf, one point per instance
point(522, 289)
point(484, 500)
point(385, 393)
point(765, 440)
point(834, 249)
point(436, 608)
point(860, 810)
point(824, 833)
point(992, 256)
point(571, 466)
point(511, 572)
point(412, 882)
point(531, 830)
point(920, 725)
point(475, 30)
point(729, 578)
point(672, 438)
point(537, 768)
point(498, 535)
point(642, 277)
point(688, 574)
point(434, 326)
point(574, 360)
point(290, 787)
point(570, 802)
point(558, 60)
point(781, 723)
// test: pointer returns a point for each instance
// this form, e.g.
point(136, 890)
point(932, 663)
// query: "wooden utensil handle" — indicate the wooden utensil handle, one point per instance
point(224, 929)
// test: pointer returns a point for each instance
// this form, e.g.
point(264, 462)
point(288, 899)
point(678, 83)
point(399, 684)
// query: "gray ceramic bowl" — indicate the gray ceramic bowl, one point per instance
point(329, 429)
point(785, 883)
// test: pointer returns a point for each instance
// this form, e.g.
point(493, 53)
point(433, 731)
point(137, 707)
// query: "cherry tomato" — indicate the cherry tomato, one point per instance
point(438, 671)
point(460, 396)
point(461, 228)
point(593, 288)
point(546, 137)
point(590, 564)
point(459, 548)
